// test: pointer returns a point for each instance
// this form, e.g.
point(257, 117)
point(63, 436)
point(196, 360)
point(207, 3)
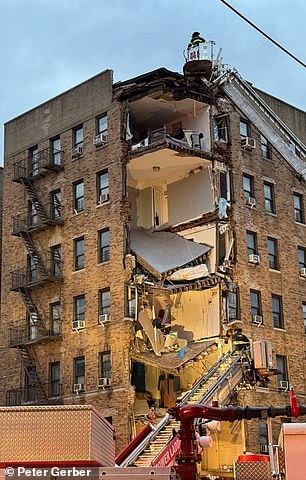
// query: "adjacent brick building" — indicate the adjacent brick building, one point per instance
point(144, 221)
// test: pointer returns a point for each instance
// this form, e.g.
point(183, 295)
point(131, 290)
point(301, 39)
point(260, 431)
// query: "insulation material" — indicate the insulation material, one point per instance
point(190, 273)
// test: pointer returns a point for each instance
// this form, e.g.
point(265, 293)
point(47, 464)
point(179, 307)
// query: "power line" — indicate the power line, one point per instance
point(264, 34)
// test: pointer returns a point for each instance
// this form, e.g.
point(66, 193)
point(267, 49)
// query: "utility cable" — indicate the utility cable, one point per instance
point(264, 34)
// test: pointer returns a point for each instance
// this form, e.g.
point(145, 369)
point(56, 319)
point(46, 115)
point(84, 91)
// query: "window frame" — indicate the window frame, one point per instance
point(78, 142)
point(221, 128)
point(256, 310)
point(56, 205)
point(56, 260)
point(103, 249)
point(55, 318)
point(246, 126)
point(102, 190)
point(248, 192)
point(33, 155)
point(273, 256)
point(277, 313)
point(56, 150)
point(302, 264)
point(105, 364)
point(103, 131)
point(283, 376)
point(79, 370)
point(269, 201)
point(298, 210)
point(79, 310)
point(54, 389)
point(78, 198)
point(304, 315)
point(104, 301)
point(265, 148)
point(252, 249)
point(78, 258)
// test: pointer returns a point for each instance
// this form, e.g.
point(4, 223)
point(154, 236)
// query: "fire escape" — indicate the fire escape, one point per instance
point(40, 269)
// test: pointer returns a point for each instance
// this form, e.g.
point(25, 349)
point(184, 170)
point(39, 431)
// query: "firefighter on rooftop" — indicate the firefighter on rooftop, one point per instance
point(195, 40)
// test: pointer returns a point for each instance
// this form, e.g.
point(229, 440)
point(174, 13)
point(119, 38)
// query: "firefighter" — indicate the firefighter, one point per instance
point(195, 40)
point(240, 341)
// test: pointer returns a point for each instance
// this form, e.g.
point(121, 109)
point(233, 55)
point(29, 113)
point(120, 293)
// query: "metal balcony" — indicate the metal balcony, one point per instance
point(49, 271)
point(28, 335)
point(38, 394)
point(25, 222)
point(44, 161)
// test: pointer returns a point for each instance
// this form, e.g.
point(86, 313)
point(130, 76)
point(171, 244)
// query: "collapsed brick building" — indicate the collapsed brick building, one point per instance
point(143, 222)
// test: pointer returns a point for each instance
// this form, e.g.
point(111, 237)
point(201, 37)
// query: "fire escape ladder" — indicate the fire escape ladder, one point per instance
point(224, 375)
point(34, 199)
point(29, 302)
point(34, 252)
point(30, 367)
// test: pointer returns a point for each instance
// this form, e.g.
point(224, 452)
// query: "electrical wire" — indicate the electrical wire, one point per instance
point(264, 34)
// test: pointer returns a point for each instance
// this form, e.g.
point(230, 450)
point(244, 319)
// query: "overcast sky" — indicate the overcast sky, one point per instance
point(48, 46)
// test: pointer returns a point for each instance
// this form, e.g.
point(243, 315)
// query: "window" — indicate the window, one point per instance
point(233, 304)
point(79, 256)
point(104, 301)
point(255, 301)
point(54, 379)
point(102, 124)
point(130, 301)
point(32, 215)
point(78, 196)
point(102, 186)
point(269, 197)
point(281, 365)
point(32, 269)
point(32, 324)
point(103, 245)
point(79, 370)
point(304, 316)
point(273, 253)
point(221, 129)
point(33, 161)
point(105, 367)
point(277, 313)
point(252, 243)
point(266, 150)
point(78, 139)
point(244, 129)
point(79, 307)
point(248, 187)
point(56, 205)
point(55, 318)
point(298, 207)
point(263, 432)
point(302, 257)
point(56, 151)
point(30, 384)
point(56, 261)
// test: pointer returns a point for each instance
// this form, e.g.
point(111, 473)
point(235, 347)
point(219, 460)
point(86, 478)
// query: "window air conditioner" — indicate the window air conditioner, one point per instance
point(78, 324)
point(78, 387)
point(100, 139)
point(104, 198)
point(283, 385)
point(303, 272)
point(264, 449)
point(257, 319)
point(254, 258)
point(251, 202)
point(248, 143)
point(104, 382)
point(104, 319)
point(77, 151)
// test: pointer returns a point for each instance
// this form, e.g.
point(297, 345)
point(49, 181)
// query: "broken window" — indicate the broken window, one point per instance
point(221, 129)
